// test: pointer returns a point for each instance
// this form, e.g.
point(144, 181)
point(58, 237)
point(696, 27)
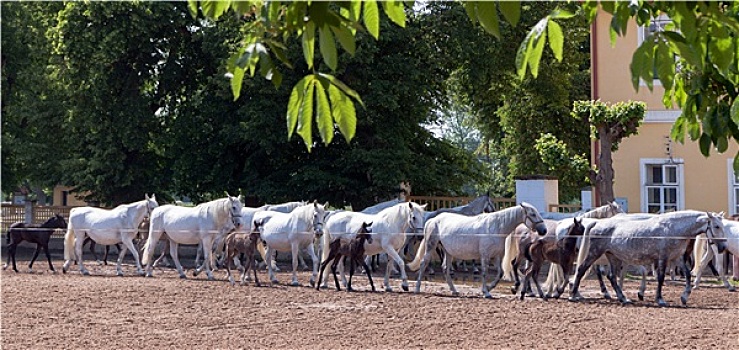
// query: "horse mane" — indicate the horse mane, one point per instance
point(508, 217)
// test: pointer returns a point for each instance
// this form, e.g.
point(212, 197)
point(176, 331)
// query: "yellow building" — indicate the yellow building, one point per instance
point(652, 173)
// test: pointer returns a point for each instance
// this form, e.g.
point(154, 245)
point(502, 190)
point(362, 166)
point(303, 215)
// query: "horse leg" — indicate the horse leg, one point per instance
point(581, 270)
point(352, 263)
point(643, 285)
point(613, 278)
point(295, 251)
point(661, 266)
point(35, 255)
point(227, 261)
point(207, 241)
point(603, 289)
point(446, 266)
point(253, 265)
point(333, 271)
point(11, 254)
point(483, 278)
point(121, 255)
point(78, 251)
point(268, 261)
point(394, 256)
point(314, 260)
point(128, 244)
point(369, 274)
point(173, 252)
point(498, 263)
point(516, 279)
point(688, 285)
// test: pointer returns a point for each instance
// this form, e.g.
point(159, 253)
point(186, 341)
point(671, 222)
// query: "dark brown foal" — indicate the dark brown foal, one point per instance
point(352, 250)
point(245, 243)
point(537, 251)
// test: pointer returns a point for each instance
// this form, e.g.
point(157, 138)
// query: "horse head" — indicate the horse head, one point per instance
point(715, 230)
point(56, 221)
point(365, 232)
point(151, 203)
point(417, 217)
point(532, 219)
point(235, 210)
point(319, 215)
point(576, 229)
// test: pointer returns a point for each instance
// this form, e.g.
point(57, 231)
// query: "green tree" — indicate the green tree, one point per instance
point(119, 64)
point(32, 113)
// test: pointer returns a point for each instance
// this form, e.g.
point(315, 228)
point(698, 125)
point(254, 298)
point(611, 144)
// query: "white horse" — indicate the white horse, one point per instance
point(659, 239)
point(201, 224)
point(106, 227)
point(474, 237)
point(389, 228)
point(731, 228)
point(292, 232)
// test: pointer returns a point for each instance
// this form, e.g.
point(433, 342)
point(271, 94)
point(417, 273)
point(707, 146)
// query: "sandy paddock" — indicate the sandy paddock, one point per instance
point(42, 310)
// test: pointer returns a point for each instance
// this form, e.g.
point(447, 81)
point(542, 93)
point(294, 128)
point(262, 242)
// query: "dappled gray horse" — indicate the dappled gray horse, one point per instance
point(656, 240)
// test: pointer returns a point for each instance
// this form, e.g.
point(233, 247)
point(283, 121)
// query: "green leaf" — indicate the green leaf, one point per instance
point(721, 48)
point(309, 36)
point(279, 53)
point(736, 163)
point(214, 8)
point(487, 14)
point(295, 102)
point(665, 62)
point(523, 53)
point(371, 18)
point(560, 13)
point(678, 130)
point(276, 78)
point(305, 119)
point(705, 144)
point(236, 81)
point(642, 63)
point(538, 49)
point(342, 109)
point(734, 111)
point(395, 11)
point(323, 114)
point(694, 129)
point(471, 8)
point(511, 10)
point(192, 5)
point(328, 47)
point(722, 144)
point(346, 39)
point(556, 39)
point(346, 89)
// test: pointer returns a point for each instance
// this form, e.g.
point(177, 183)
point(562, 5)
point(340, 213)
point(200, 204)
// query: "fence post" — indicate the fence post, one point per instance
point(28, 211)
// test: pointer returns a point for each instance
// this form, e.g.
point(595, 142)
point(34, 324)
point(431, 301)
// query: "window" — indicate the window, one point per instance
point(662, 188)
point(733, 188)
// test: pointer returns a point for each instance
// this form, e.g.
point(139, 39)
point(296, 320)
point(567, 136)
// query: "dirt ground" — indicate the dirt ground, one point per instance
point(41, 310)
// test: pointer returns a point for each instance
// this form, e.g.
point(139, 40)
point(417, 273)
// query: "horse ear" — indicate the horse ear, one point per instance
point(239, 198)
point(325, 205)
point(424, 206)
point(153, 197)
point(146, 196)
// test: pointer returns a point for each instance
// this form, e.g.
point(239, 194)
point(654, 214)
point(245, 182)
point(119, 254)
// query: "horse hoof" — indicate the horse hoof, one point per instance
point(312, 283)
point(85, 273)
point(684, 300)
point(629, 302)
point(640, 296)
point(64, 270)
point(119, 273)
point(275, 281)
point(732, 289)
point(487, 296)
point(211, 278)
point(607, 296)
point(574, 299)
point(5, 267)
point(388, 289)
point(183, 276)
point(662, 303)
point(405, 287)
point(350, 289)
point(455, 294)
point(295, 284)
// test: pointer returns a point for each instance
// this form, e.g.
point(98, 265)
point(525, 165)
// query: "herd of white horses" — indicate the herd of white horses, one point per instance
point(471, 232)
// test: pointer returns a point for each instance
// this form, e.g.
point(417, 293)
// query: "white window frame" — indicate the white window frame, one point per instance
point(733, 187)
point(680, 184)
point(641, 35)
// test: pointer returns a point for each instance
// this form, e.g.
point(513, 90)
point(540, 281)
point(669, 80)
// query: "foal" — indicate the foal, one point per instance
point(245, 243)
point(352, 250)
point(34, 233)
point(537, 251)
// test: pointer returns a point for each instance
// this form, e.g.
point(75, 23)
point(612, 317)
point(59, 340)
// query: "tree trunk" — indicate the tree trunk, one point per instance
point(604, 178)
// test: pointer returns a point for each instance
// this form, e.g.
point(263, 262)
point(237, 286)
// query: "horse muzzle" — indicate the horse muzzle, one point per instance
point(541, 229)
point(721, 246)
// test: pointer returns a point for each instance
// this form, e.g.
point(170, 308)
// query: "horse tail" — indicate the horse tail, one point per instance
point(69, 240)
point(325, 244)
point(423, 246)
point(151, 242)
point(584, 245)
point(262, 251)
point(698, 251)
point(511, 252)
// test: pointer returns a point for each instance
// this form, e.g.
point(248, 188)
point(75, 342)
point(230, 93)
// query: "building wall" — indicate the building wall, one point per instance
point(72, 200)
point(706, 180)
